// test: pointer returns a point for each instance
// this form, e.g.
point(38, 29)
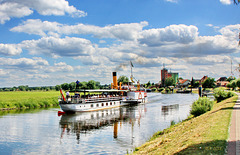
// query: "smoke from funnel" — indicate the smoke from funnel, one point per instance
point(121, 67)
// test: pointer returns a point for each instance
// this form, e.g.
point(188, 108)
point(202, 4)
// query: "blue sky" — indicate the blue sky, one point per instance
point(56, 41)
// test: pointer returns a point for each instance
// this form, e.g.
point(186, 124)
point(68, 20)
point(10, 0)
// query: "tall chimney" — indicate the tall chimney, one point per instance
point(115, 85)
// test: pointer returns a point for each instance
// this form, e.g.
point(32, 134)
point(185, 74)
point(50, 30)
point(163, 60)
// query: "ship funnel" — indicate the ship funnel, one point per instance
point(115, 84)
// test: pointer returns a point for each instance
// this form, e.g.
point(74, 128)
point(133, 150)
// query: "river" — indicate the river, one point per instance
point(112, 131)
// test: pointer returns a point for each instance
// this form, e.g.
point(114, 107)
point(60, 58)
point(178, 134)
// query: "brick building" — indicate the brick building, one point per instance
point(165, 74)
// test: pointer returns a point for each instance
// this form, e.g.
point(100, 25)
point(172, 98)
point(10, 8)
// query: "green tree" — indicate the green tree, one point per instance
point(57, 87)
point(148, 84)
point(229, 79)
point(232, 84)
point(196, 84)
point(65, 86)
point(209, 83)
point(97, 85)
point(123, 79)
point(23, 88)
point(192, 82)
point(83, 85)
point(72, 85)
point(91, 84)
point(238, 83)
point(169, 81)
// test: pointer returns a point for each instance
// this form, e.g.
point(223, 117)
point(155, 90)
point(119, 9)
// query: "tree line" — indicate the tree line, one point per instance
point(27, 88)
point(82, 85)
point(65, 86)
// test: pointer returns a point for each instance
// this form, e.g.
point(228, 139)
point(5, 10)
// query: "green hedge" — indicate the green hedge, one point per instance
point(220, 94)
point(201, 106)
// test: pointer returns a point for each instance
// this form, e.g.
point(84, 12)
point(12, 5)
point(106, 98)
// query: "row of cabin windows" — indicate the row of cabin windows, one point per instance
point(103, 104)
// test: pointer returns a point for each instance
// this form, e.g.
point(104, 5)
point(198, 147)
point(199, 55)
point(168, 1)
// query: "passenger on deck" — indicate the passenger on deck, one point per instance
point(67, 94)
point(77, 95)
point(77, 86)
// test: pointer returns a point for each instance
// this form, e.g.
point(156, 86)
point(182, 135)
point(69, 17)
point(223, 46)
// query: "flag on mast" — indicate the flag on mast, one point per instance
point(131, 63)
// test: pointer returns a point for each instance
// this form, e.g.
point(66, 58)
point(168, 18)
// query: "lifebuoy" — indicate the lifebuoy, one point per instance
point(140, 95)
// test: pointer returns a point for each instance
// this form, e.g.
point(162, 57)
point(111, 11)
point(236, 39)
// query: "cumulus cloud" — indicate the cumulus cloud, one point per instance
point(35, 67)
point(183, 41)
point(95, 59)
point(176, 41)
point(37, 27)
point(172, 1)
point(226, 2)
point(209, 60)
point(169, 35)
point(12, 9)
point(3, 73)
point(10, 49)
point(16, 8)
point(55, 47)
point(59, 67)
point(231, 31)
point(23, 62)
point(152, 62)
point(211, 25)
point(127, 31)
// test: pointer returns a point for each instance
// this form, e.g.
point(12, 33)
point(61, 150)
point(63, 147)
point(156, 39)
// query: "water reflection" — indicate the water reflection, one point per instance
point(169, 109)
point(87, 122)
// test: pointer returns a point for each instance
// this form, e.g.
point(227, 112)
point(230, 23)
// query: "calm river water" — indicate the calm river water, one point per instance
point(112, 131)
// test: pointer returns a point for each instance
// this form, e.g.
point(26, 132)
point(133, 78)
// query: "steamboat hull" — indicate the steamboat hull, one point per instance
point(86, 107)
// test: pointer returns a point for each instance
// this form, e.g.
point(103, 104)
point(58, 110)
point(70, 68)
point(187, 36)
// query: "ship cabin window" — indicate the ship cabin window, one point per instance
point(106, 104)
point(91, 105)
point(102, 104)
point(110, 103)
point(114, 103)
point(97, 105)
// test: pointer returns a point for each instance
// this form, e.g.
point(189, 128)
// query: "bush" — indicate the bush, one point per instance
point(153, 89)
point(201, 106)
point(220, 94)
point(160, 89)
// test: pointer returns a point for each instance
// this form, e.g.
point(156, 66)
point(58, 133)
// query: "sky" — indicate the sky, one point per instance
point(50, 42)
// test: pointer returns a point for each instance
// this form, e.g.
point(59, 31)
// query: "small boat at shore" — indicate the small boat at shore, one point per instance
point(97, 99)
point(184, 91)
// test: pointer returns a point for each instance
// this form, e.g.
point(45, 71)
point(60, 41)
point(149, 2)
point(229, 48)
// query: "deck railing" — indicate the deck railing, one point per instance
point(91, 100)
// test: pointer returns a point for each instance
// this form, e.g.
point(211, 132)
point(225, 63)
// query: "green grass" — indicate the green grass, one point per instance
point(205, 134)
point(30, 99)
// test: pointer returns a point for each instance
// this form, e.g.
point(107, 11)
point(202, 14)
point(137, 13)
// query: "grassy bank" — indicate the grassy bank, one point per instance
point(22, 99)
point(206, 134)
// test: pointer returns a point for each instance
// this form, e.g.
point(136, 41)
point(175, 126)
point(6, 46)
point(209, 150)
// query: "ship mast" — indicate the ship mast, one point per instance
point(131, 64)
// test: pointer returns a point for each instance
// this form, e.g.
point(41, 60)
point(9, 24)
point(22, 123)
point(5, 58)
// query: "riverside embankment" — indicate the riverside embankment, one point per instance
point(206, 134)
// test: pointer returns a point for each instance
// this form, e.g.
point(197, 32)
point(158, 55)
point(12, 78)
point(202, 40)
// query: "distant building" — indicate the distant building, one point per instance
point(222, 82)
point(165, 74)
point(222, 79)
point(203, 79)
point(183, 83)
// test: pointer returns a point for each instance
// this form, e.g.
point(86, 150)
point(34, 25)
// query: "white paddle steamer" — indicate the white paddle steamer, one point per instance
point(92, 100)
